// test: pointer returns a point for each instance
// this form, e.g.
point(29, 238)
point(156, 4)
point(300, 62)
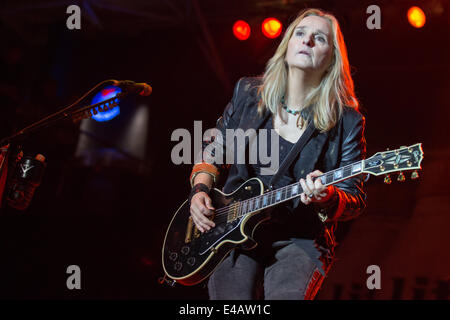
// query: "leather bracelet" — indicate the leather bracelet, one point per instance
point(199, 187)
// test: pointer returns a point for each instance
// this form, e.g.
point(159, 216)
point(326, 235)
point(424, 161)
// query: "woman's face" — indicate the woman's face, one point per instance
point(310, 47)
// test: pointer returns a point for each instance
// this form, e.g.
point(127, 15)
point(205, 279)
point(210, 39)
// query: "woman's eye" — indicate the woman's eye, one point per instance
point(299, 33)
point(320, 38)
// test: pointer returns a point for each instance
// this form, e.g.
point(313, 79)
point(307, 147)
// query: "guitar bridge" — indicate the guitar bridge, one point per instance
point(232, 213)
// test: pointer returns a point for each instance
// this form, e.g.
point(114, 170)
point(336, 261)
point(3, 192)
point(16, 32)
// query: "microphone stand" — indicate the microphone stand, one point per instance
point(76, 115)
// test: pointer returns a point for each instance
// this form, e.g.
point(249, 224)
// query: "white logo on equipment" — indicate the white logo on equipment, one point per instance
point(25, 168)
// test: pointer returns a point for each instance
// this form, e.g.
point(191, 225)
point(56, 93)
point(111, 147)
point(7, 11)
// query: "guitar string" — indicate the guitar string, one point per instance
point(221, 215)
point(227, 209)
point(268, 195)
point(221, 212)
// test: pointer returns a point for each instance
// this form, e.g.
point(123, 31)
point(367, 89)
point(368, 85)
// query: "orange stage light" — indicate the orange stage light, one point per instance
point(241, 30)
point(271, 28)
point(416, 17)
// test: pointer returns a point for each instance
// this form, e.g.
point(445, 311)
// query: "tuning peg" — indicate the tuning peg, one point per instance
point(401, 177)
point(414, 175)
point(387, 179)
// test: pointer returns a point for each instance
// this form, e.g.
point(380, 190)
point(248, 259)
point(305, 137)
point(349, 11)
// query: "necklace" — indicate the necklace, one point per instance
point(285, 107)
point(294, 112)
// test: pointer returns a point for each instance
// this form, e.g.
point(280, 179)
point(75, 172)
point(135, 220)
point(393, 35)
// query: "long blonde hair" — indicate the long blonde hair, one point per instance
point(335, 90)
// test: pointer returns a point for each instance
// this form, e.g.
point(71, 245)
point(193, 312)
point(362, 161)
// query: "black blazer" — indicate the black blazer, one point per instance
point(342, 145)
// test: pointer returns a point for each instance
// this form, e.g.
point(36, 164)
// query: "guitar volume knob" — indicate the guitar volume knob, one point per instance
point(173, 256)
point(191, 261)
point(178, 266)
point(185, 250)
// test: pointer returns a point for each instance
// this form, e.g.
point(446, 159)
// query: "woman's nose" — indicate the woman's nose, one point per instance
point(308, 40)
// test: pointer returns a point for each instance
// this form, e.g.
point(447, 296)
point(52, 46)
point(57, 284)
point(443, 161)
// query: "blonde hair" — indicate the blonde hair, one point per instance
point(335, 90)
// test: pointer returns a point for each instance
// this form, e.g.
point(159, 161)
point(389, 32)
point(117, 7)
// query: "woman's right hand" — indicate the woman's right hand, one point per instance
point(201, 208)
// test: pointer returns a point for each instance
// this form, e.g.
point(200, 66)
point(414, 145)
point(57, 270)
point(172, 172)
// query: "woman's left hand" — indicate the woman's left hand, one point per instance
point(315, 191)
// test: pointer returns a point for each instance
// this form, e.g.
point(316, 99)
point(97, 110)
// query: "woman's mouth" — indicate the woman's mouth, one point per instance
point(305, 52)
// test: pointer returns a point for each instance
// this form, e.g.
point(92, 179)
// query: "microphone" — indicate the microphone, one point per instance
point(130, 86)
point(26, 178)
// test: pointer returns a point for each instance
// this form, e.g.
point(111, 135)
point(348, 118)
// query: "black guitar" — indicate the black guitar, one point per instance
point(189, 256)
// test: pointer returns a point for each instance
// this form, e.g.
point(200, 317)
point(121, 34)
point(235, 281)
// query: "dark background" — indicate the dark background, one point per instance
point(109, 217)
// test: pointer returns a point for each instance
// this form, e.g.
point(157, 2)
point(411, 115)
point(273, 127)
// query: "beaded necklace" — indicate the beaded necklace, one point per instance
point(294, 112)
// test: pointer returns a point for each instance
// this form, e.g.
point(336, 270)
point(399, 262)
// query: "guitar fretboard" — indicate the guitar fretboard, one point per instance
point(294, 190)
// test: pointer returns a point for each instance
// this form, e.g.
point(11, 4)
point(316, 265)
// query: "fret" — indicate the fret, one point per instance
point(265, 200)
point(329, 178)
point(288, 192)
point(278, 196)
point(273, 197)
point(337, 174)
point(295, 190)
point(356, 167)
point(347, 171)
point(257, 202)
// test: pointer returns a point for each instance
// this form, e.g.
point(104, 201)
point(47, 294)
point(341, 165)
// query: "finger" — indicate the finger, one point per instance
point(305, 199)
point(318, 186)
point(323, 194)
point(208, 203)
point(316, 173)
point(197, 224)
point(198, 215)
point(204, 219)
point(310, 184)
point(200, 223)
point(304, 186)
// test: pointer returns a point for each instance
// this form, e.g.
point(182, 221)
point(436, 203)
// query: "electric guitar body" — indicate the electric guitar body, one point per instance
point(190, 256)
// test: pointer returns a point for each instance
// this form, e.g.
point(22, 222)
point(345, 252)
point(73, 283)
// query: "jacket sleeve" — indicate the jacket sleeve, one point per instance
point(349, 199)
point(214, 148)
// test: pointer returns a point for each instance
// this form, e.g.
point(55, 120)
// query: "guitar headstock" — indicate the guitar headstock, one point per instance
point(402, 159)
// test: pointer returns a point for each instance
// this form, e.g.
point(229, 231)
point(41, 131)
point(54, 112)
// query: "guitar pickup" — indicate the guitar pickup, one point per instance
point(232, 213)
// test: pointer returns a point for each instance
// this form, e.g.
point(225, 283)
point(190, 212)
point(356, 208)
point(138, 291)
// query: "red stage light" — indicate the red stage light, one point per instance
point(271, 28)
point(416, 17)
point(241, 30)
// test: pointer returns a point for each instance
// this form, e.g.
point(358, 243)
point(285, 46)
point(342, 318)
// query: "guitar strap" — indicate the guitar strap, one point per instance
point(293, 153)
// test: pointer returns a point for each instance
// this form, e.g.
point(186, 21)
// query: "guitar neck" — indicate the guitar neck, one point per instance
point(289, 192)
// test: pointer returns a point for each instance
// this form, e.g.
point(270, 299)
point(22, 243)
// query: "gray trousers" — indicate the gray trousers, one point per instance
point(284, 272)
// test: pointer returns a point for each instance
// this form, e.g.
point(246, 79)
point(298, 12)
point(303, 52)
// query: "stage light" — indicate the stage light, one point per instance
point(241, 30)
point(271, 28)
point(416, 17)
point(106, 93)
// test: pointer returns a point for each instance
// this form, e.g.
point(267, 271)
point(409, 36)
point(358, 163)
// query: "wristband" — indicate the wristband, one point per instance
point(199, 187)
